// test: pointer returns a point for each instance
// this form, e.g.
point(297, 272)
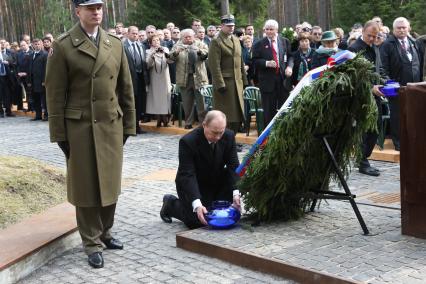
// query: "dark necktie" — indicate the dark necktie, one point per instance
point(35, 54)
point(93, 39)
point(2, 68)
point(275, 55)
point(137, 58)
point(406, 49)
point(213, 146)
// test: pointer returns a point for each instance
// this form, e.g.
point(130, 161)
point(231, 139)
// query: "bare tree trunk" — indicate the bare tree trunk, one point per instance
point(224, 7)
point(291, 13)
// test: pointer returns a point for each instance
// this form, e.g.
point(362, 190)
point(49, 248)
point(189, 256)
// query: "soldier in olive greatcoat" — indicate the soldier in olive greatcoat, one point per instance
point(91, 114)
point(228, 74)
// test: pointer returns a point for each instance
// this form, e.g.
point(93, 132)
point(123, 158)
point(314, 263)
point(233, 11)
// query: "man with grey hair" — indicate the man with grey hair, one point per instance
point(402, 61)
point(190, 55)
point(211, 32)
point(271, 59)
point(207, 162)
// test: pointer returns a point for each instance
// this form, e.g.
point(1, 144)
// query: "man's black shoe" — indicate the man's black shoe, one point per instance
point(45, 118)
point(10, 115)
point(96, 260)
point(371, 171)
point(167, 199)
point(113, 244)
point(189, 126)
point(35, 119)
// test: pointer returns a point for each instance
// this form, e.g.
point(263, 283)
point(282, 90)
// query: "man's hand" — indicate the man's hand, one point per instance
point(271, 64)
point(22, 74)
point(288, 71)
point(222, 91)
point(125, 136)
point(201, 210)
point(237, 202)
point(65, 147)
point(377, 92)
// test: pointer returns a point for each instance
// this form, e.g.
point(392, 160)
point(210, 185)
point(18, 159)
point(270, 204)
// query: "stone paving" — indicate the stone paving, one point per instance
point(329, 240)
point(150, 254)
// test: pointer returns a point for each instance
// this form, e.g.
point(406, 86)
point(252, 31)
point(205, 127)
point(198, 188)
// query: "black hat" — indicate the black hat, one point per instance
point(228, 20)
point(87, 2)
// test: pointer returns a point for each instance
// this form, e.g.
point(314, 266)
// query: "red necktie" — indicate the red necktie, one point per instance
point(274, 54)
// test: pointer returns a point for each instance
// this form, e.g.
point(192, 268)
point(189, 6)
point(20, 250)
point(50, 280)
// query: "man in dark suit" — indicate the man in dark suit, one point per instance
point(402, 61)
point(271, 59)
point(371, 52)
point(23, 61)
point(207, 162)
point(36, 77)
point(136, 56)
point(6, 80)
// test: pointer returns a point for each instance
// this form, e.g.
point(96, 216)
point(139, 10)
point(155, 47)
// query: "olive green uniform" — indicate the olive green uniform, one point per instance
point(227, 70)
point(90, 103)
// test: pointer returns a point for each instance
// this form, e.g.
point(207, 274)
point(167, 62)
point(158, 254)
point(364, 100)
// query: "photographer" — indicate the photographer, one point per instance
point(190, 55)
point(159, 92)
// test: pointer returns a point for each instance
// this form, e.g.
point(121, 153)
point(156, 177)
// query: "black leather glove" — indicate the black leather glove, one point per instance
point(65, 147)
point(125, 136)
point(222, 91)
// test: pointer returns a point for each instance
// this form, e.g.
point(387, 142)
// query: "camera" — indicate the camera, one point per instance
point(160, 49)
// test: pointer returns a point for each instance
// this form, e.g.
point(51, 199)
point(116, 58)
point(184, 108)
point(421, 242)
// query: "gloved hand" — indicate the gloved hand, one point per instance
point(125, 136)
point(222, 91)
point(65, 147)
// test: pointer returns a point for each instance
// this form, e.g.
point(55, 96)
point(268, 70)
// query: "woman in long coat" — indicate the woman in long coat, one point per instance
point(159, 92)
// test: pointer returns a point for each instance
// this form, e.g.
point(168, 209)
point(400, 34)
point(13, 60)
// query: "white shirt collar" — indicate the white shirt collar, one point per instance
point(95, 34)
point(132, 42)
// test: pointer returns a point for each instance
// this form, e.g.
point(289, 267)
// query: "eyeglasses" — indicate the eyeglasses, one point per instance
point(317, 33)
point(176, 32)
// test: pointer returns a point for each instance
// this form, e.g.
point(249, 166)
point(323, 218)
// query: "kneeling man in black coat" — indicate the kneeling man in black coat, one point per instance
point(207, 162)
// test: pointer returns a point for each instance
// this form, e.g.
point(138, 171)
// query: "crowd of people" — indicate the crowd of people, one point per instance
point(194, 57)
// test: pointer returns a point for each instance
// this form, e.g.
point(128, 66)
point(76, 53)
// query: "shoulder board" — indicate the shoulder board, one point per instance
point(62, 36)
point(114, 36)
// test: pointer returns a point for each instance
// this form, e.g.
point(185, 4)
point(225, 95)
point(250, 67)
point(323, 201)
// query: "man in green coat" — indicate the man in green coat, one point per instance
point(228, 74)
point(91, 114)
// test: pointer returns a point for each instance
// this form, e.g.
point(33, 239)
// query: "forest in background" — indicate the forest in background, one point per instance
point(36, 17)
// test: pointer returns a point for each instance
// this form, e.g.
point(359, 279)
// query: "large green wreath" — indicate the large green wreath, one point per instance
point(281, 176)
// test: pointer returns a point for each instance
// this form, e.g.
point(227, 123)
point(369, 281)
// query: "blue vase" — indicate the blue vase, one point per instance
point(390, 89)
point(222, 215)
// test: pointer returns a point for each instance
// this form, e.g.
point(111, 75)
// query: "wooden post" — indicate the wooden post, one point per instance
point(413, 159)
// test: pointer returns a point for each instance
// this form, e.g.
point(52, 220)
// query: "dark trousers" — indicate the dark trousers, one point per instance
point(369, 139)
point(271, 101)
point(94, 225)
point(5, 99)
point(140, 97)
point(37, 103)
point(44, 104)
point(394, 120)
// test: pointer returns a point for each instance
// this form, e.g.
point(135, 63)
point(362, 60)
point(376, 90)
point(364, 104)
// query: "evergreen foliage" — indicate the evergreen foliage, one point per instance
point(280, 176)
point(346, 13)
